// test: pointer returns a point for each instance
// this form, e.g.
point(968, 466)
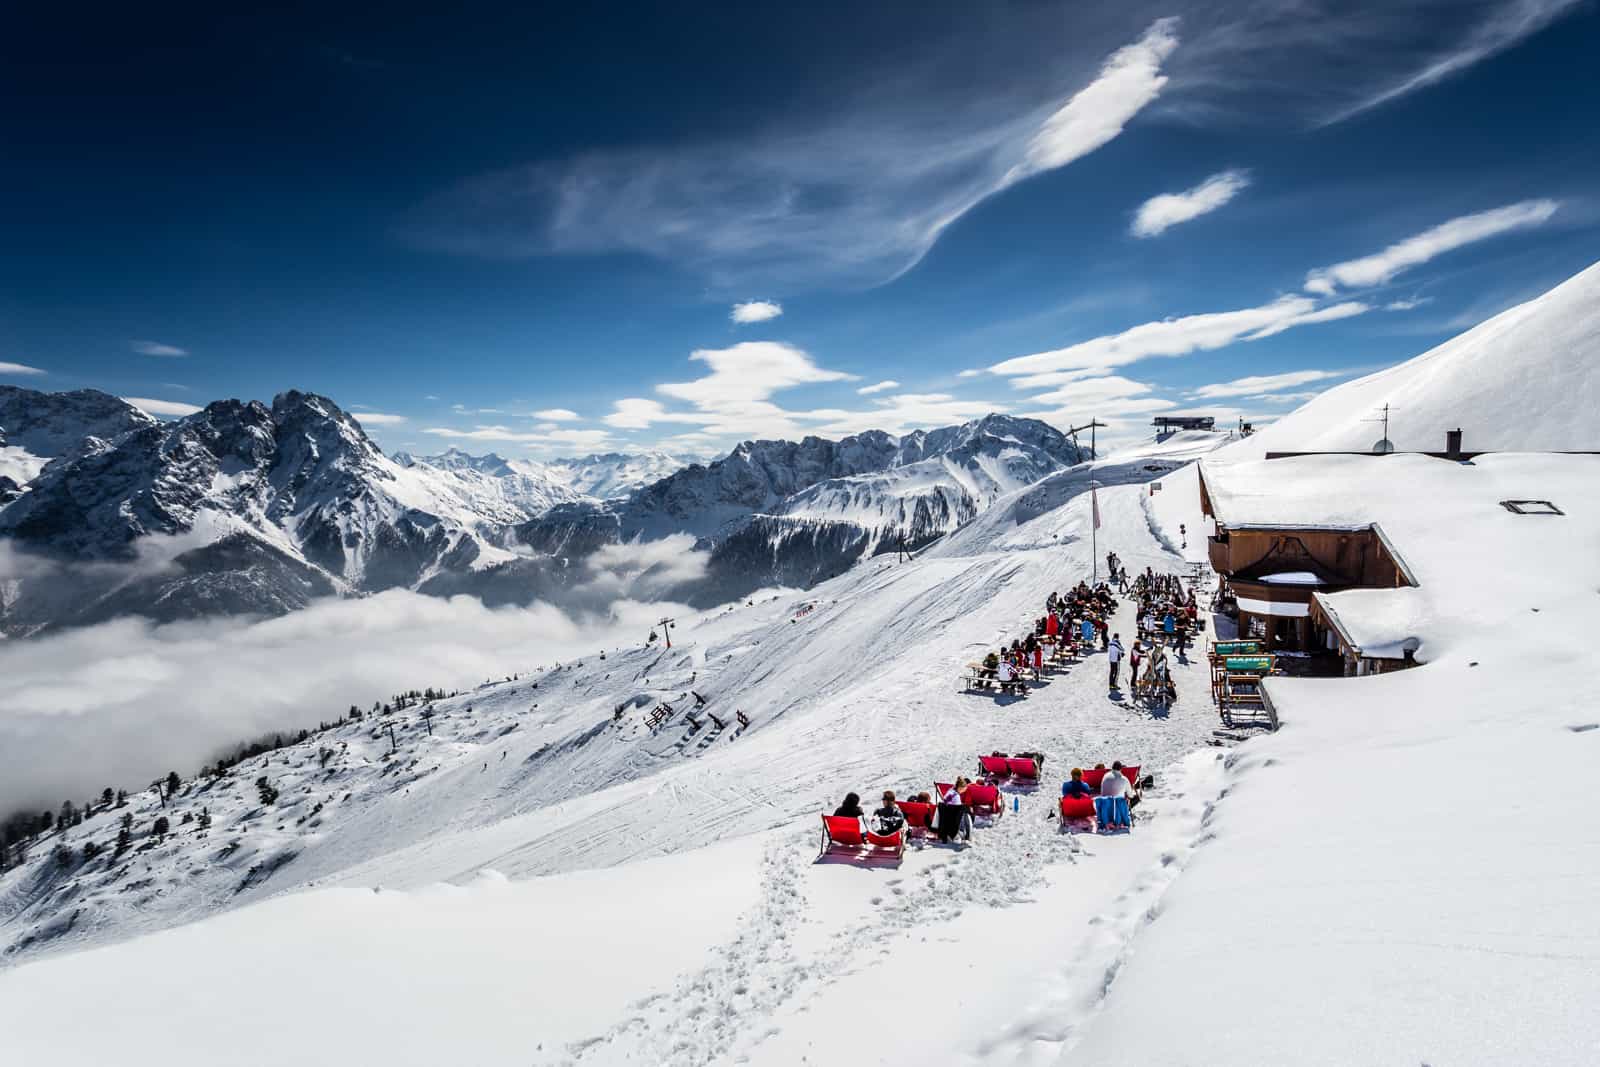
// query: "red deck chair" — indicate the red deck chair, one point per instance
point(1093, 778)
point(1023, 768)
point(1077, 808)
point(841, 833)
point(999, 766)
point(985, 800)
point(919, 816)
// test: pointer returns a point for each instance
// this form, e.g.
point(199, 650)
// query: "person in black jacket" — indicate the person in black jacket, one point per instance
point(889, 818)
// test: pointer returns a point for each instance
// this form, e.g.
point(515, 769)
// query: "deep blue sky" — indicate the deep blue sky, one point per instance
point(458, 216)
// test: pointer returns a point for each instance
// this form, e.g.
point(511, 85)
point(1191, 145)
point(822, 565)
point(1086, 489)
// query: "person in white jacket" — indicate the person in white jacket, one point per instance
point(1111, 806)
point(1114, 656)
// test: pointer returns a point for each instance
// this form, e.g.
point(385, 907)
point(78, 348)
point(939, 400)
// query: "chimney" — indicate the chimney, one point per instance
point(1452, 444)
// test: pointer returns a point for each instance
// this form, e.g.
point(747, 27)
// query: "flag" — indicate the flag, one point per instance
point(1094, 505)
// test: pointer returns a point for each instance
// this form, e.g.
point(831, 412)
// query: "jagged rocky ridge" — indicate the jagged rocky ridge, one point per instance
point(250, 508)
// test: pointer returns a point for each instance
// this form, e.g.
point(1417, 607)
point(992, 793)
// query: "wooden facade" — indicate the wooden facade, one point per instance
point(1275, 572)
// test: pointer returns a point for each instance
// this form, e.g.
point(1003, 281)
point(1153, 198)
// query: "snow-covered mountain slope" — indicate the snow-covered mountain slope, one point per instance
point(852, 684)
point(787, 513)
point(1527, 379)
point(613, 475)
point(497, 489)
point(308, 506)
point(37, 427)
point(308, 502)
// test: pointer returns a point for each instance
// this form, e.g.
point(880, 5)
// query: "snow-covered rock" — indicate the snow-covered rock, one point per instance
point(36, 427)
point(612, 475)
point(308, 503)
point(500, 490)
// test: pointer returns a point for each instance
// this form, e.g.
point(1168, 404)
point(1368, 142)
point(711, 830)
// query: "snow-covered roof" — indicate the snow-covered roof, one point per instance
point(1473, 560)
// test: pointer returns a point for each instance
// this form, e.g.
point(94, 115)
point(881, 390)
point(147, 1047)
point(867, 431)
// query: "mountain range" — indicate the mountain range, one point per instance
point(249, 508)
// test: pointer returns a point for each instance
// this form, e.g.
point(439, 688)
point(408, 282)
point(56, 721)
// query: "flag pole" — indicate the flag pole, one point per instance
point(1094, 515)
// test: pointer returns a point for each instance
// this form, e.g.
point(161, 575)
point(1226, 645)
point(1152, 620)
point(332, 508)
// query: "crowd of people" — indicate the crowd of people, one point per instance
point(952, 814)
point(1114, 799)
point(1167, 616)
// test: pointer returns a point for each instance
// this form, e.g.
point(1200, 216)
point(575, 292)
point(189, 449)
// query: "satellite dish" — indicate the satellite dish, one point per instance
point(1382, 446)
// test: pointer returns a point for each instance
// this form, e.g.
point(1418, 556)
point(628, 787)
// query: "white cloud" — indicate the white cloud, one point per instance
point(1258, 384)
point(556, 415)
point(970, 372)
point(1160, 213)
point(1089, 391)
point(1413, 251)
point(1128, 81)
point(161, 407)
point(1285, 398)
point(1175, 337)
point(377, 418)
point(735, 398)
point(882, 387)
point(156, 348)
point(539, 438)
point(124, 702)
point(430, 396)
point(901, 413)
point(755, 311)
point(1510, 21)
point(861, 197)
point(19, 369)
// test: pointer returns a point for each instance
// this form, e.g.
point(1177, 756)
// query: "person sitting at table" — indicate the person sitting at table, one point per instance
point(1076, 786)
point(991, 665)
point(851, 808)
point(1007, 675)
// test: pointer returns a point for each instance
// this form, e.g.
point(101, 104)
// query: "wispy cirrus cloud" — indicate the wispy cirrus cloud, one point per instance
point(859, 198)
point(1256, 385)
point(1160, 213)
point(170, 408)
point(20, 370)
point(377, 418)
point(902, 413)
point(546, 439)
point(1503, 25)
point(1171, 337)
point(156, 348)
point(881, 387)
point(1376, 269)
point(755, 311)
